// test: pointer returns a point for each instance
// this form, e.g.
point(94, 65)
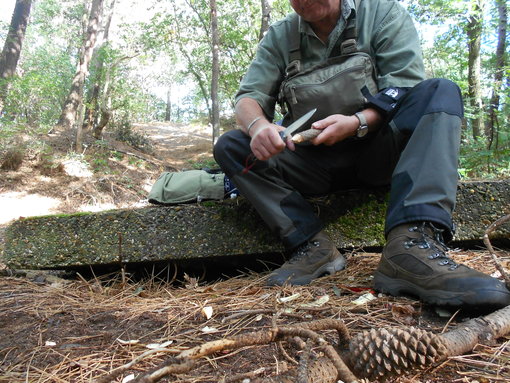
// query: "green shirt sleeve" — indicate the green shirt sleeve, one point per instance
point(387, 33)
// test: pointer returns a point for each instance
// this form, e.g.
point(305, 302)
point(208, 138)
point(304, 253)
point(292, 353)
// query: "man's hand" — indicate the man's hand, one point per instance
point(335, 128)
point(266, 141)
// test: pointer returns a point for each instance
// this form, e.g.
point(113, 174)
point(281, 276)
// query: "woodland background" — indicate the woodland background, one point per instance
point(83, 68)
point(129, 88)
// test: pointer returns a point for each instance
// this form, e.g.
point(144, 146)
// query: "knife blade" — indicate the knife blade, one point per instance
point(296, 124)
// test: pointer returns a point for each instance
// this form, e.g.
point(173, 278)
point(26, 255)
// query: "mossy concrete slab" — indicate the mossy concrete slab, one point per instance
point(232, 227)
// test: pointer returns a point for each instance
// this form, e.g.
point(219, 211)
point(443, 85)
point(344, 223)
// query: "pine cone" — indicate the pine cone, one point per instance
point(384, 352)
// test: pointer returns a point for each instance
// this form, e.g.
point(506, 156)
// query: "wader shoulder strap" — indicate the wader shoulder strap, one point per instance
point(295, 48)
point(349, 37)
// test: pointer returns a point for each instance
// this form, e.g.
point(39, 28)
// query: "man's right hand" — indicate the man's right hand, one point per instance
point(265, 138)
point(266, 141)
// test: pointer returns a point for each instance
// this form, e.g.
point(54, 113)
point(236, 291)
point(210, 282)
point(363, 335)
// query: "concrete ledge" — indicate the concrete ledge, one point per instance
point(231, 227)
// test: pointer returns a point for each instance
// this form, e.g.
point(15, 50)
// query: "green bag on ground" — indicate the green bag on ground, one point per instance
point(187, 186)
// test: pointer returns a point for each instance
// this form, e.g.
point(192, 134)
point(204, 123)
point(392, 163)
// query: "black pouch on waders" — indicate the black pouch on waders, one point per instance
point(332, 86)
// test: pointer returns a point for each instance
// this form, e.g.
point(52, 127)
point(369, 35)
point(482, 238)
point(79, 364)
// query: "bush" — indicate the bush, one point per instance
point(476, 161)
point(125, 133)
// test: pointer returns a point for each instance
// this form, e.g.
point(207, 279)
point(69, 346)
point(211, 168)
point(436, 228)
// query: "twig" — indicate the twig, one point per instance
point(286, 354)
point(247, 375)
point(119, 370)
point(177, 368)
point(487, 243)
point(450, 321)
point(302, 373)
point(259, 311)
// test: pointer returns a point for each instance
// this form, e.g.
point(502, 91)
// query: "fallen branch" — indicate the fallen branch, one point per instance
point(185, 360)
point(487, 242)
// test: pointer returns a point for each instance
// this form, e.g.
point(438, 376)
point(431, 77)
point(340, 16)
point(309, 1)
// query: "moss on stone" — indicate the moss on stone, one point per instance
point(363, 223)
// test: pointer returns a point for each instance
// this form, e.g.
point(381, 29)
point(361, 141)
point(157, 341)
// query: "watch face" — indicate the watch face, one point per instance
point(362, 131)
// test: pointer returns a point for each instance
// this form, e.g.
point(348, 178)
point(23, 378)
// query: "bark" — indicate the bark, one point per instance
point(105, 107)
point(13, 44)
point(75, 97)
point(266, 15)
point(474, 34)
point(483, 330)
point(494, 105)
point(93, 107)
point(215, 121)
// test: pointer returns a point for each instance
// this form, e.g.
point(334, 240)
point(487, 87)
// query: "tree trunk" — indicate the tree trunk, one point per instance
point(490, 132)
point(266, 15)
point(93, 102)
point(474, 34)
point(75, 97)
point(168, 110)
point(13, 43)
point(215, 72)
point(105, 99)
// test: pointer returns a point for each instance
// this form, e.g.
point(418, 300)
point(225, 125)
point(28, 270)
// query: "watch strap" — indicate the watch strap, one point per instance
point(362, 119)
point(363, 126)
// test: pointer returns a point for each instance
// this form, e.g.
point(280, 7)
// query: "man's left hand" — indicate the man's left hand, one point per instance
point(335, 128)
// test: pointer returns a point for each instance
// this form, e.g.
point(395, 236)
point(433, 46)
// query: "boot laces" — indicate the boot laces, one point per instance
point(434, 242)
point(303, 251)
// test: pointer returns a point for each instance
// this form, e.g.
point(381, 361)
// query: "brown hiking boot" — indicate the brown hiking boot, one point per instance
point(314, 258)
point(414, 262)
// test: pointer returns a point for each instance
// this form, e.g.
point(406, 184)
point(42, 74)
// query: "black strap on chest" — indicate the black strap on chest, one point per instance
point(349, 42)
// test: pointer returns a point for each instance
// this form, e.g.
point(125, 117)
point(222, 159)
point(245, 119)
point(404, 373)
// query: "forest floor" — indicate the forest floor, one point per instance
point(80, 328)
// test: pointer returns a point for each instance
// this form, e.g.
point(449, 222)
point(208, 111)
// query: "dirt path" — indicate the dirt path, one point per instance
point(179, 145)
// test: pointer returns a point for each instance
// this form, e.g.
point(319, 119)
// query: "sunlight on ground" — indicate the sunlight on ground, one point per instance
point(14, 205)
point(97, 207)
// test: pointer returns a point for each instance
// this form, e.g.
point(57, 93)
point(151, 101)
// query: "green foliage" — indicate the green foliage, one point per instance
point(8, 131)
point(58, 22)
point(183, 32)
point(204, 164)
point(446, 21)
point(476, 161)
point(36, 98)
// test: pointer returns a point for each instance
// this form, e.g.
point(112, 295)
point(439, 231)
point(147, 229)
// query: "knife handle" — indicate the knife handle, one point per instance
point(305, 135)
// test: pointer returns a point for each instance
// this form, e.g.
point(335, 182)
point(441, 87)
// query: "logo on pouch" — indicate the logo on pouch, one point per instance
point(392, 92)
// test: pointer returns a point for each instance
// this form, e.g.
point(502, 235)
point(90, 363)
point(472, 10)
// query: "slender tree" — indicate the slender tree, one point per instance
point(75, 97)
point(215, 74)
point(474, 34)
point(266, 16)
point(168, 109)
point(13, 43)
point(494, 104)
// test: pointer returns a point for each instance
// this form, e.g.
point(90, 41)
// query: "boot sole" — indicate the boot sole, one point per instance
point(399, 287)
point(329, 268)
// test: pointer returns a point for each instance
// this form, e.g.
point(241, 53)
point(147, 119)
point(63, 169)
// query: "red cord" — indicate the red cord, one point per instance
point(249, 162)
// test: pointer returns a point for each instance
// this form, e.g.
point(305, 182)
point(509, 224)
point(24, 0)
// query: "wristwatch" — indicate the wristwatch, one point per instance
point(363, 127)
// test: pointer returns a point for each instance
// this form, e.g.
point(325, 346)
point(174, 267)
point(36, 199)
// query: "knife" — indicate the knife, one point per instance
point(296, 125)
